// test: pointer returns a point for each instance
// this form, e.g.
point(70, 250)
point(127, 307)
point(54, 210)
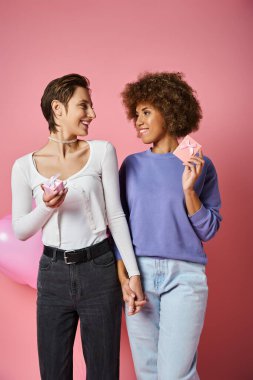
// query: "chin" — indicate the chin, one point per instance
point(146, 140)
point(83, 134)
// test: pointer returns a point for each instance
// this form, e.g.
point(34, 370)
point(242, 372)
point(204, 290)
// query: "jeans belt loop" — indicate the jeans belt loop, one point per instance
point(54, 258)
point(89, 257)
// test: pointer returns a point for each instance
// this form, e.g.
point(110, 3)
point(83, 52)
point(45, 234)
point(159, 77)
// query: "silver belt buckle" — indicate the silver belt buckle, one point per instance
point(66, 258)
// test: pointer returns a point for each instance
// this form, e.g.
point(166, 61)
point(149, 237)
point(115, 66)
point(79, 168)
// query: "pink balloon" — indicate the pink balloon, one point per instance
point(19, 260)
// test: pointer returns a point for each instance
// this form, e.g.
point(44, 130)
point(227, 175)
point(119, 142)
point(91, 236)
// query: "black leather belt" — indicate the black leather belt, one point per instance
point(73, 256)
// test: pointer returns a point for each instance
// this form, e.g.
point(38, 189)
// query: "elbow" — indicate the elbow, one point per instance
point(210, 233)
point(19, 233)
point(208, 237)
point(21, 236)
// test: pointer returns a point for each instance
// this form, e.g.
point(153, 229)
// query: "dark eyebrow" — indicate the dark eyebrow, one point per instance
point(143, 109)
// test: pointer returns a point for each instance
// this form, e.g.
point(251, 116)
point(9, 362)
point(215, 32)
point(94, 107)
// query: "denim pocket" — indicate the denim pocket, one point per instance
point(105, 260)
point(45, 263)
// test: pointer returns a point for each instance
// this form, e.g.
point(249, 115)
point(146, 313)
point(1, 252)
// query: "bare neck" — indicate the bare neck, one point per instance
point(166, 145)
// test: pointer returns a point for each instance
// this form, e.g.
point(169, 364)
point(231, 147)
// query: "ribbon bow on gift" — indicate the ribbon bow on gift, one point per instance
point(51, 182)
point(187, 144)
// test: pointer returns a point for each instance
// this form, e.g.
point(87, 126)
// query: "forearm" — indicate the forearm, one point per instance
point(116, 218)
point(122, 273)
point(203, 211)
point(121, 236)
point(192, 202)
point(27, 225)
point(25, 220)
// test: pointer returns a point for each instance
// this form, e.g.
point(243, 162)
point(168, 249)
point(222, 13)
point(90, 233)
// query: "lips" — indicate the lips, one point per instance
point(143, 131)
point(85, 123)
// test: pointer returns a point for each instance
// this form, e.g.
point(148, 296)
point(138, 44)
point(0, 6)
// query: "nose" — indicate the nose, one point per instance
point(138, 121)
point(91, 113)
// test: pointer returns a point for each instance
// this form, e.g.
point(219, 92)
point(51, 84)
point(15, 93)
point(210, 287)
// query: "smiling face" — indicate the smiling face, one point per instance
point(76, 117)
point(150, 124)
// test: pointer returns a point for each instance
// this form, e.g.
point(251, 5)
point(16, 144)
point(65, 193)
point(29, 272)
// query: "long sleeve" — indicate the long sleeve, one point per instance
point(123, 197)
point(115, 215)
point(122, 182)
point(25, 220)
point(206, 220)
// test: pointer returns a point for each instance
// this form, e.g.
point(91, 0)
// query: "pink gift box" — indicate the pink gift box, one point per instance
point(53, 184)
point(188, 147)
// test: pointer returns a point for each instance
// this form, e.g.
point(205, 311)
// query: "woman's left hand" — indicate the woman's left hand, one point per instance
point(140, 299)
point(192, 171)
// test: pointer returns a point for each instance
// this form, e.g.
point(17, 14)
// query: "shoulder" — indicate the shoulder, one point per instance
point(129, 160)
point(207, 160)
point(101, 146)
point(99, 143)
point(23, 162)
point(22, 169)
point(209, 169)
point(103, 152)
point(208, 163)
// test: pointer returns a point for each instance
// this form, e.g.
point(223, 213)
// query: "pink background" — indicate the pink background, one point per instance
point(111, 42)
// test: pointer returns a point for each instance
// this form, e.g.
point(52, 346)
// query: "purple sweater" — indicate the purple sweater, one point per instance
point(153, 201)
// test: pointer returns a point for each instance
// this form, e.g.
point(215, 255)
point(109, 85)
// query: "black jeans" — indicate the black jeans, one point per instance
point(89, 291)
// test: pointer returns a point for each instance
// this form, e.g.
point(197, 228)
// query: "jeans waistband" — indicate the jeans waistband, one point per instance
point(73, 256)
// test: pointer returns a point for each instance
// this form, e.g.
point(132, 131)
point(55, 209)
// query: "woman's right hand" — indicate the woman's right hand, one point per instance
point(55, 199)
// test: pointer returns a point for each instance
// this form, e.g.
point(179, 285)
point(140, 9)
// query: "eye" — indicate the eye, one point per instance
point(84, 106)
point(146, 113)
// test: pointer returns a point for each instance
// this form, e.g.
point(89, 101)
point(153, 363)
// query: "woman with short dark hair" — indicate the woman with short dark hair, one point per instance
point(171, 209)
point(75, 186)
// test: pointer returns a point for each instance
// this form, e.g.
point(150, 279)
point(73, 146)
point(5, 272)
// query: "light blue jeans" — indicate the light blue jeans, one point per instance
point(164, 336)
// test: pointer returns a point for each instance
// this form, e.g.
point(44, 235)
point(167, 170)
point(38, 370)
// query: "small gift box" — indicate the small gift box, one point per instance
point(53, 184)
point(188, 147)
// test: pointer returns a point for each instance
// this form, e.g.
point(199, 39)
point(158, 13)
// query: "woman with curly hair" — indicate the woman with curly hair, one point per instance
point(171, 209)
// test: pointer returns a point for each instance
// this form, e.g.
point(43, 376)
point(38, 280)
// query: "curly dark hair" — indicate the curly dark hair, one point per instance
point(60, 89)
point(171, 95)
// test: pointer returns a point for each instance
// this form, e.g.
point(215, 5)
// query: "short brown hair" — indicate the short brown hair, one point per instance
point(60, 89)
point(171, 95)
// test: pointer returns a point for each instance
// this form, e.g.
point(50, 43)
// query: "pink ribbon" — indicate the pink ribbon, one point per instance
point(188, 145)
point(51, 182)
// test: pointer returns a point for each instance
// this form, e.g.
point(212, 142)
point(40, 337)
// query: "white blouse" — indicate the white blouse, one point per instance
point(92, 202)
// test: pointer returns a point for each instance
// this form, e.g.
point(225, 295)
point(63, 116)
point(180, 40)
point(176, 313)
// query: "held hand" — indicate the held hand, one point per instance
point(140, 301)
point(192, 171)
point(130, 297)
point(55, 199)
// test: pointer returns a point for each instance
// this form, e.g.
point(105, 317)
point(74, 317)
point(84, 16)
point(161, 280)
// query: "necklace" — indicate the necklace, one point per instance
point(62, 141)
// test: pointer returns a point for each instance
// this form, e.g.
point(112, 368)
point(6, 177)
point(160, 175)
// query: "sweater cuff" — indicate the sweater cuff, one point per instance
point(134, 273)
point(198, 216)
